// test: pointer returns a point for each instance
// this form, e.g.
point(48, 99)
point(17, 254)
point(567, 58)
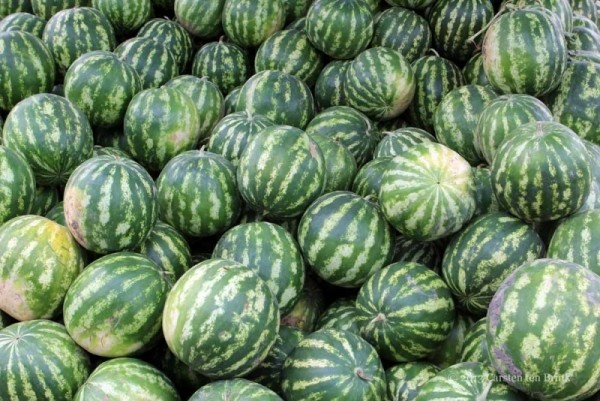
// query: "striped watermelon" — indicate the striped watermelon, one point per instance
point(579, 20)
point(160, 124)
point(502, 116)
point(392, 125)
point(200, 334)
point(172, 35)
point(272, 253)
point(425, 253)
point(397, 142)
point(207, 98)
point(405, 380)
point(120, 378)
point(26, 68)
point(231, 100)
point(474, 73)
point(434, 77)
point(448, 353)
point(345, 239)
point(485, 199)
point(478, 259)
point(428, 192)
point(14, 6)
point(45, 198)
point(349, 127)
point(593, 200)
point(329, 88)
point(561, 8)
point(587, 8)
point(411, 4)
point(125, 16)
point(524, 51)
point(290, 51)
point(281, 97)
point(248, 23)
point(109, 151)
point(152, 60)
point(234, 389)
point(576, 101)
point(23, 22)
point(380, 83)
point(201, 19)
point(39, 361)
point(48, 8)
point(406, 310)
point(197, 194)
point(17, 185)
point(340, 28)
point(584, 39)
point(296, 9)
point(333, 365)
point(102, 86)
point(475, 345)
point(105, 322)
point(53, 134)
point(340, 165)
point(546, 346)
point(74, 32)
point(367, 182)
point(341, 315)
point(57, 214)
point(232, 134)
point(299, 25)
point(306, 312)
point(402, 30)
point(281, 172)
point(110, 204)
point(225, 64)
point(38, 262)
point(554, 162)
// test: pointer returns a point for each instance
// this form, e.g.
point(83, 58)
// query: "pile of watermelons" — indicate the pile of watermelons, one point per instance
point(336, 200)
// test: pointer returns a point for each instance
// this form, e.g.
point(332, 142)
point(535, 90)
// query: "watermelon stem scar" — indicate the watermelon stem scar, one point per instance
point(361, 374)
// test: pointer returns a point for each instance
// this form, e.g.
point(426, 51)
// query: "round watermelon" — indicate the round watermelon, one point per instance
point(485, 199)
point(448, 353)
point(224, 64)
point(200, 18)
point(45, 198)
point(367, 182)
point(425, 253)
point(473, 71)
point(475, 345)
point(125, 16)
point(329, 88)
point(17, 185)
point(14, 6)
point(172, 35)
point(342, 315)
point(23, 22)
point(234, 389)
point(48, 8)
point(248, 23)
point(406, 379)
point(340, 164)
point(397, 142)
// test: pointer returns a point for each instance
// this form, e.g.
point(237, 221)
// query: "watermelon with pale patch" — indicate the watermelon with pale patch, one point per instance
point(223, 63)
point(248, 23)
point(201, 19)
point(17, 185)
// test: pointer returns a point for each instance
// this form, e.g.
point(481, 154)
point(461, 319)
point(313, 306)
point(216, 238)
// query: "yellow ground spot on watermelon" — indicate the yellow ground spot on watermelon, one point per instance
point(104, 342)
point(13, 302)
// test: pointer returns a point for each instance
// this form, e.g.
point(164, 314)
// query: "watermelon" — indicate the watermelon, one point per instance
point(281, 172)
point(340, 165)
point(172, 35)
point(231, 100)
point(502, 116)
point(200, 334)
point(485, 199)
point(434, 77)
point(541, 330)
point(45, 198)
point(207, 98)
point(202, 19)
point(326, 359)
point(411, 4)
point(23, 73)
point(299, 25)
point(296, 9)
point(392, 125)
point(168, 249)
point(428, 192)
point(406, 379)
point(74, 32)
point(120, 378)
point(397, 142)
point(109, 151)
point(306, 312)
point(380, 83)
point(283, 98)
point(39, 361)
point(110, 204)
point(340, 28)
point(57, 214)
point(127, 16)
point(14, 6)
point(367, 182)
point(152, 60)
point(345, 239)
point(402, 30)
point(524, 51)
point(473, 71)
point(593, 200)
point(197, 194)
point(48, 8)
point(102, 86)
point(272, 253)
point(234, 389)
point(425, 253)
point(579, 20)
point(587, 8)
point(541, 173)
point(349, 127)
point(406, 310)
point(456, 118)
point(52, 133)
point(448, 353)
point(584, 39)
point(561, 8)
point(232, 134)
point(17, 185)
point(290, 51)
point(329, 88)
point(23, 22)
point(475, 345)
point(224, 64)
point(39, 260)
point(341, 315)
point(111, 137)
point(248, 23)
point(160, 124)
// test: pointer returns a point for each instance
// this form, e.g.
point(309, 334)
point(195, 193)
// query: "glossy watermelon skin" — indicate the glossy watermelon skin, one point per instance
point(248, 23)
point(299, 166)
point(34, 287)
point(554, 157)
point(339, 163)
point(342, 314)
point(345, 239)
point(184, 201)
point(27, 346)
point(574, 310)
point(201, 336)
point(329, 88)
point(201, 19)
point(475, 344)
point(406, 379)
point(23, 22)
point(23, 73)
point(15, 6)
point(110, 204)
point(340, 29)
point(48, 8)
point(223, 63)
point(367, 182)
point(398, 141)
point(52, 133)
point(234, 390)
point(351, 359)
point(172, 35)
point(17, 185)
point(105, 76)
point(125, 17)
